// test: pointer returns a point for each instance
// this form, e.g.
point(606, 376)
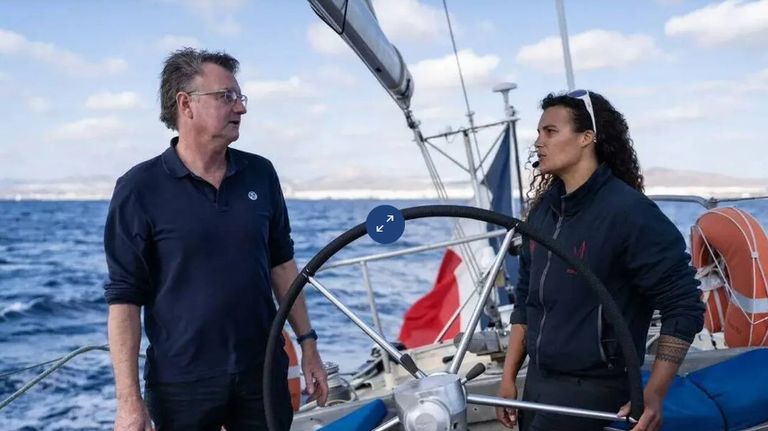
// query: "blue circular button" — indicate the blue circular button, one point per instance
point(385, 224)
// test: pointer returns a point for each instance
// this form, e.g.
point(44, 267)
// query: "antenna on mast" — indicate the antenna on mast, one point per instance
point(504, 88)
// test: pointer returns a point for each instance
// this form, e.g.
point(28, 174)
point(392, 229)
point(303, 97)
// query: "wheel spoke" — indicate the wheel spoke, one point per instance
point(403, 359)
point(388, 424)
point(485, 400)
point(458, 358)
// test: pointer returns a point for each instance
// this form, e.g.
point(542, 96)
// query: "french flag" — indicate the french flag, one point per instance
point(463, 265)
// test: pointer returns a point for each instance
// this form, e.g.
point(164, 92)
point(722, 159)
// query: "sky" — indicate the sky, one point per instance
point(79, 80)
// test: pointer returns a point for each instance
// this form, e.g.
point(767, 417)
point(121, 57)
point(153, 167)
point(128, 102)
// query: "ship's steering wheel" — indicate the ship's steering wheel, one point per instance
point(441, 397)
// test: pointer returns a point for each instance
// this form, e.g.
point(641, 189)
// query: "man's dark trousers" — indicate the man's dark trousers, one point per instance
point(235, 401)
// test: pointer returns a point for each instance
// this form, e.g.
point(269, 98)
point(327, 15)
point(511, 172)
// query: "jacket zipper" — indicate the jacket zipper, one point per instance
point(543, 278)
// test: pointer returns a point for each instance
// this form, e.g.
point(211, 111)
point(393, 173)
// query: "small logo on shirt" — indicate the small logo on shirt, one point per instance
point(252, 195)
point(579, 252)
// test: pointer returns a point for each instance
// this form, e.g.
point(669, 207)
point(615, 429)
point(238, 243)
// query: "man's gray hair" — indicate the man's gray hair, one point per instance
point(179, 69)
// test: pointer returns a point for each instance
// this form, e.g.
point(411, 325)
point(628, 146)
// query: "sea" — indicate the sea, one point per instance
point(52, 272)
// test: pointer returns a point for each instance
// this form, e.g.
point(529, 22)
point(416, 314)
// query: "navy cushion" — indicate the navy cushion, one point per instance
point(739, 386)
point(686, 408)
point(365, 418)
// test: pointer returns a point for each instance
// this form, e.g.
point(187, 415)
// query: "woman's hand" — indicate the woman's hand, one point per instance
point(507, 415)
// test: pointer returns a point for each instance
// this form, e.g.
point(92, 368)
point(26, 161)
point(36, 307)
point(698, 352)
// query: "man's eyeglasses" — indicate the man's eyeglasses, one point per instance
point(584, 96)
point(229, 95)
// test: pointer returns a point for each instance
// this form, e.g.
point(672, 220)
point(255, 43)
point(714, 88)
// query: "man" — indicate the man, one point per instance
point(197, 236)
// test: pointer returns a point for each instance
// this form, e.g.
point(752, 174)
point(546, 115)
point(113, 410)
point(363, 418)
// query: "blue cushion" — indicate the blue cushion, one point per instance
point(739, 386)
point(365, 418)
point(686, 408)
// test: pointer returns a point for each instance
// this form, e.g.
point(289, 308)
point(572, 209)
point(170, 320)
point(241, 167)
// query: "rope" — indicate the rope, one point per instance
point(470, 113)
point(59, 363)
point(31, 367)
point(472, 265)
point(458, 63)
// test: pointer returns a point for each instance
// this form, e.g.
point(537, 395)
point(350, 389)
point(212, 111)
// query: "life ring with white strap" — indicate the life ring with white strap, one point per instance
point(729, 248)
point(294, 372)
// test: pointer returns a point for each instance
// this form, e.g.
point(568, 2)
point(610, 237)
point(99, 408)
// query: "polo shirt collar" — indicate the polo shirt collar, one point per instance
point(174, 166)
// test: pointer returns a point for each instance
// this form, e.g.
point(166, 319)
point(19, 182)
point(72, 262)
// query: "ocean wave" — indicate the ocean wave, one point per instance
point(46, 305)
point(17, 308)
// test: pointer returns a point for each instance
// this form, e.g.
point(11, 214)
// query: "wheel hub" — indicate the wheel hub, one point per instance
point(434, 403)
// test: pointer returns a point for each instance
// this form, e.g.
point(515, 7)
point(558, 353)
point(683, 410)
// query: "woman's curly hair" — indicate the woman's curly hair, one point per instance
point(613, 144)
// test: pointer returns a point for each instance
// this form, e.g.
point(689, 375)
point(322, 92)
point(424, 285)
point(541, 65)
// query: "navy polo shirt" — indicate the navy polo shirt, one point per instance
point(199, 261)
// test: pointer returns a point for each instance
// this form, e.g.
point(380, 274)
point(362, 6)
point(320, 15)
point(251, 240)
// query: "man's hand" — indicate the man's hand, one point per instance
point(132, 415)
point(652, 413)
point(507, 415)
point(315, 377)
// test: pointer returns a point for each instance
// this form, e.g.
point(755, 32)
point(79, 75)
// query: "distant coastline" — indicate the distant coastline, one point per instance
point(659, 181)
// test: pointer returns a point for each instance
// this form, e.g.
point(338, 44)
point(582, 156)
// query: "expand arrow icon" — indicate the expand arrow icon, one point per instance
point(390, 218)
point(380, 228)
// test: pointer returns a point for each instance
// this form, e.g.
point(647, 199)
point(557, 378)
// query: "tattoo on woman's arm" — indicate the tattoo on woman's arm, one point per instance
point(671, 349)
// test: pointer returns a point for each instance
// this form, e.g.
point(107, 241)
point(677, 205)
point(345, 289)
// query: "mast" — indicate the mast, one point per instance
point(566, 44)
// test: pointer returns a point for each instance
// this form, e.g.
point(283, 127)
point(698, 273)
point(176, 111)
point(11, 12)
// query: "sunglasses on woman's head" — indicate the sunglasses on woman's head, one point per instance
point(583, 95)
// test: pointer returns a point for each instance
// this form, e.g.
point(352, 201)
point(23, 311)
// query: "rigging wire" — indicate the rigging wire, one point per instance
point(470, 113)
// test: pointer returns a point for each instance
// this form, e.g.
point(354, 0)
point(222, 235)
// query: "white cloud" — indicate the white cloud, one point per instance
point(757, 81)
point(442, 72)
point(637, 91)
point(354, 130)
point(172, 42)
point(336, 76)
point(487, 27)
point(286, 135)
point(5, 82)
point(526, 135)
point(593, 49)
point(673, 114)
point(12, 43)
point(219, 15)
point(731, 21)
point(106, 101)
point(681, 113)
point(410, 20)
point(433, 112)
point(39, 105)
point(751, 83)
point(325, 41)
point(114, 65)
point(89, 129)
point(318, 109)
point(292, 87)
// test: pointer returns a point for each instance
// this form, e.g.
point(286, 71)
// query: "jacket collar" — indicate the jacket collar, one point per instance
point(176, 168)
point(577, 199)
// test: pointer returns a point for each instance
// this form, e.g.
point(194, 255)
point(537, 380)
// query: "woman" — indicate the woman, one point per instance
point(588, 196)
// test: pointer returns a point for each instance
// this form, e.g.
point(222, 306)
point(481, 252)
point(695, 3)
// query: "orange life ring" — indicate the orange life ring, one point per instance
point(734, 243)
point(294, 372)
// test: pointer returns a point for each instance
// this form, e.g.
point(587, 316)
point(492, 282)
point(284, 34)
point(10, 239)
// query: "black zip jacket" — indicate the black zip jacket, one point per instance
point(632, 247)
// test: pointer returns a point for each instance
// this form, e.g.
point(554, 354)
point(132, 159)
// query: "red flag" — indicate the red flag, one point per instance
point(427, 317)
